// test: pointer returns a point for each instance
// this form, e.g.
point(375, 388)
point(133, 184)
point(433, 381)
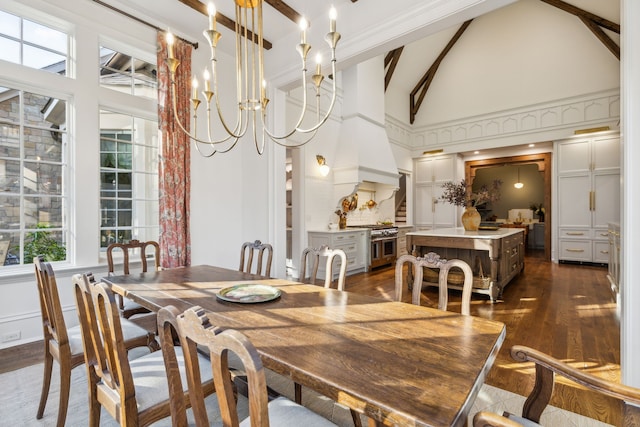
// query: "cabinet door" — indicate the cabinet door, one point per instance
point(444, 214)
point(424, 171)
point(573, 201)
point(606, 153)
point(425, 204)
point(574, 156)
point(607, 198)
point(444, 168)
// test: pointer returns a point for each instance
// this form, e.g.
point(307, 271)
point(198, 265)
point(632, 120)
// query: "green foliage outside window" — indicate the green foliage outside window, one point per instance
point(41, 243)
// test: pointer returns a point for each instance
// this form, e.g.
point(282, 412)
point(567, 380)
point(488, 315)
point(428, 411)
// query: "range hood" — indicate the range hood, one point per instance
point(363, 150)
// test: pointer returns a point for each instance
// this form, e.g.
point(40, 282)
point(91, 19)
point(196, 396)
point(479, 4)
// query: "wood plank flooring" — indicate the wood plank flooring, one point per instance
point(561, 309)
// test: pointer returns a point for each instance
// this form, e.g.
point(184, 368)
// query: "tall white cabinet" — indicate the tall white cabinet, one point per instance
point(588, 196)
point(430, 174)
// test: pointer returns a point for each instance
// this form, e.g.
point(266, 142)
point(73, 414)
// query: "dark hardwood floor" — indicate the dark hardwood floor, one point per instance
point(564, 310)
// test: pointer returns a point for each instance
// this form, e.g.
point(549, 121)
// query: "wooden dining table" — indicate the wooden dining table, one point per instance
point(397, 363)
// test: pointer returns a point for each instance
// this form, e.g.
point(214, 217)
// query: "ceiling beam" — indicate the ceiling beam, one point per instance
point(425, 81)
point(604, 23)
point(390, 63)
point(602, 36)
point(286, 10)
point(594, 23)
point(223, 20)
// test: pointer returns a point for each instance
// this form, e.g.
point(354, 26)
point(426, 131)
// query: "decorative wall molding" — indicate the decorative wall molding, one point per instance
point(560, 116)
point(569, 113)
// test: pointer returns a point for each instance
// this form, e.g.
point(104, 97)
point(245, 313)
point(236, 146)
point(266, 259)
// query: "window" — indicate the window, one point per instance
point(33, 45)
point(125, 73)
point(32, 170)
point(128, 178)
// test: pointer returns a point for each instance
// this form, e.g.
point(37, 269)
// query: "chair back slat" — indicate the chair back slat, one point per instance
point(130, 248)
point(310, 262)
point(247, 254)
point(433, 260)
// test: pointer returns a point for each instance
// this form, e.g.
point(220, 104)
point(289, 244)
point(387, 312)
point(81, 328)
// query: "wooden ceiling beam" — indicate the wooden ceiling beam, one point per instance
point(574, 10)
point(602, 36)
point(593, 22)
point(390, 63)
point(286, 10)
point(425, 81)
point(223, 20)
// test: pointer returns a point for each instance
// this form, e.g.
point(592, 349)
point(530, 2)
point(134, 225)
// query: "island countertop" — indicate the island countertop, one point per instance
point(498, 233)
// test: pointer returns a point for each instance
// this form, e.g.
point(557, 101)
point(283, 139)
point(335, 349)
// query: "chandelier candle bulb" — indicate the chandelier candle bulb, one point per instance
point(170, 41)
point(194, 88)
point(332, 19)
point(211, 9)
point(303, 28)
point(318, 64)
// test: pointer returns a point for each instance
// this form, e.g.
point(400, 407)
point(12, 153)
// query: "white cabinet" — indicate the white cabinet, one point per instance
point(354, 243)
point(588, 196)
point(430, 174)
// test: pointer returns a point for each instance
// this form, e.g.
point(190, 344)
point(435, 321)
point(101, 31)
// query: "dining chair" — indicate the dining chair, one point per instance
point(310, 262)
point(433, 260)
point(197, 334)
point(247, 252)
point(134, 392)
point(129, 308)
point(65, 344)
point(546, 368)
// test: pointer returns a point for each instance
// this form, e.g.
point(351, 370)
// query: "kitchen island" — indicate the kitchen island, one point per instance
point(496, 254)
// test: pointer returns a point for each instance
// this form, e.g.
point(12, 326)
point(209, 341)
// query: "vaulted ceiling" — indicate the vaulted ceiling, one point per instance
point(406, 73)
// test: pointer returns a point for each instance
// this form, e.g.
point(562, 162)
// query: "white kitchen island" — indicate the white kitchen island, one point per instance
point(499, 252)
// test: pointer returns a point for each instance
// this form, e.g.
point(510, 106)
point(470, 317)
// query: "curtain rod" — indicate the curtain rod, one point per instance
point(128, 15)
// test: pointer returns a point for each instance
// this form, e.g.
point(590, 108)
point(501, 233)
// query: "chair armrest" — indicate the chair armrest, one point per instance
point(547, 366)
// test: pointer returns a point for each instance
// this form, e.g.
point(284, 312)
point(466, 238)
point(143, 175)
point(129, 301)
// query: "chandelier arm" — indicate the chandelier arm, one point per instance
point(260, 146)
point(297, 144)
point(303, 112)
point(333, 101)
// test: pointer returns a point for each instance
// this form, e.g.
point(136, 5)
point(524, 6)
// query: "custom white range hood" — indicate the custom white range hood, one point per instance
point(363, 151)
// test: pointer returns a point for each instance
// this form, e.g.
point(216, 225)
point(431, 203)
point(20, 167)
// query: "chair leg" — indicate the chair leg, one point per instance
point(298, 393)
point(357, 422)
point(65, 386)
point(46, 380)
point(94, 405)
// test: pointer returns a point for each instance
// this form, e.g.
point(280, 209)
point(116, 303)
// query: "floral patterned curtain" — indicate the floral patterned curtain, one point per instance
point(175, 166)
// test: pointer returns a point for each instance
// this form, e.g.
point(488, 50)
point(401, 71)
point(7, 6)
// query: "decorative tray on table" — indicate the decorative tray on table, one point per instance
point(249, 293)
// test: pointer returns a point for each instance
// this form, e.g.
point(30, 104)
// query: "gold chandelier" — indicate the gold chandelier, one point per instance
point(251, 90)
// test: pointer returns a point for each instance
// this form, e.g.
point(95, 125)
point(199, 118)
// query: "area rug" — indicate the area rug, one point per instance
point(20, 393)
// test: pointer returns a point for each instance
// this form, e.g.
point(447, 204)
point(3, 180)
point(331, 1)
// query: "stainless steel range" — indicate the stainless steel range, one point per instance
point(384, 240)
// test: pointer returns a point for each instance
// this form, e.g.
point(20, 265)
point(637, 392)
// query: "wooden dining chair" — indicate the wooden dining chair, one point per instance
point(134, 392)
point(310, 262)
point(196, 332)
point(247, 256)
point(129, 308)
point(65, 344)
point(433, 260)
point(546, 368)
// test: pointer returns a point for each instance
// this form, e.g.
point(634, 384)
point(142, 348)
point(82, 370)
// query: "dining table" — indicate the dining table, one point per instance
point(397, 363)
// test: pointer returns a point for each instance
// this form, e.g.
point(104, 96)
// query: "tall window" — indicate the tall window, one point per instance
point(32, 44)
point(128, 178)
point(33, 205)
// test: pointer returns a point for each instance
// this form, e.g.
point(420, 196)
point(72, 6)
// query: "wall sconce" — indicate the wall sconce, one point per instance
point(324, 167)
point(518, 184)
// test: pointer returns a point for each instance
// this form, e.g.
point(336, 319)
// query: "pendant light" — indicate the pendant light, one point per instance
point(518, 184)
